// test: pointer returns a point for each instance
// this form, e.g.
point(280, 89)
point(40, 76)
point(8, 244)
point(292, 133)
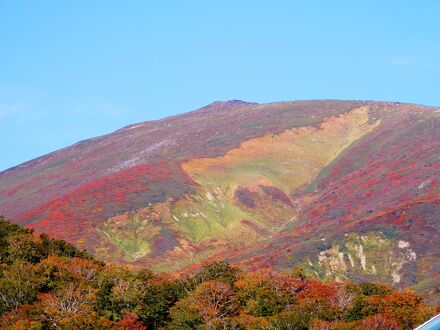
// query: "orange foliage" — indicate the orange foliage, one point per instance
point(405, 305)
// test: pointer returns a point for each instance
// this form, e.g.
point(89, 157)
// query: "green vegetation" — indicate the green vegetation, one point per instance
point(48, 284)
point(132, 236)
point(206, 216)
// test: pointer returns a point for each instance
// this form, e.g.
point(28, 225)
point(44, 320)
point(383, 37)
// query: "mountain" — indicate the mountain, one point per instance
point(344, 189)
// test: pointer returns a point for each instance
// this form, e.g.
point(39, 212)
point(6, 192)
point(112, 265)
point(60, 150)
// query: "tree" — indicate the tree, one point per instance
point(160, 295)
point(372, 288)
point(130, 321)
point(301, 315)
point(380, 322)
point(405, 306)
point(25, 316)
point(216, 271)
point(70, 307)
point(7, 230)
point(119, 291)
point(210, 302)
point(25, 247)
point(19, 285)
point(266, 293)
point(344, 298)
point(185, 316)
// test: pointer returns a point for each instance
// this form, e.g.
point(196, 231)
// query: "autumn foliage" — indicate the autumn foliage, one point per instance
point(48, 284)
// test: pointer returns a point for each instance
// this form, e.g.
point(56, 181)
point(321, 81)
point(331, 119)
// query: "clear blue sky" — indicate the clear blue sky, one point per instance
point(71, 70)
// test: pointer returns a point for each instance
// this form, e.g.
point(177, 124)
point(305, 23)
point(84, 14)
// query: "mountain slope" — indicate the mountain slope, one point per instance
point(343, 188)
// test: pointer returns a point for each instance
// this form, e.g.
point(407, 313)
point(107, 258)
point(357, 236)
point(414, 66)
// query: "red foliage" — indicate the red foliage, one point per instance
point(80, 211)
point(130, 321)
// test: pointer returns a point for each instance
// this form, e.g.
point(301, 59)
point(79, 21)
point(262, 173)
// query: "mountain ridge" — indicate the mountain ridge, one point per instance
point(214, 103)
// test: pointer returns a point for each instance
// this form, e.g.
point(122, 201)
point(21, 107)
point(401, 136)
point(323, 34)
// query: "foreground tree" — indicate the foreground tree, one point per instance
point(210, 303)
point(19, 284)
point(48, 284)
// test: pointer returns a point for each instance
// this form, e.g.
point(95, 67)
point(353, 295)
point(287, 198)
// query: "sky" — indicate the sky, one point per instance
point(72, 70)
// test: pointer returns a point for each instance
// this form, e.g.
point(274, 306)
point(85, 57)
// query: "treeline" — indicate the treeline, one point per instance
point(49, 284)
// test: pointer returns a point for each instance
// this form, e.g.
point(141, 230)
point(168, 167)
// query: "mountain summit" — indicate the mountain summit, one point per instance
point(343, 189)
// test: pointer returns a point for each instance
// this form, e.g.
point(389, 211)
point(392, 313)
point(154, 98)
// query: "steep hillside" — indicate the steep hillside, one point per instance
point(345, 189)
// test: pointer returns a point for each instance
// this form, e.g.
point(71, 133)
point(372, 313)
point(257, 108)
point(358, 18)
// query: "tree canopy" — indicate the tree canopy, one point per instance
point(49, 284)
